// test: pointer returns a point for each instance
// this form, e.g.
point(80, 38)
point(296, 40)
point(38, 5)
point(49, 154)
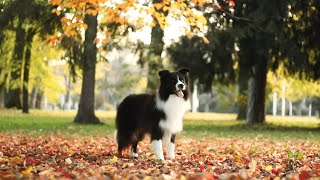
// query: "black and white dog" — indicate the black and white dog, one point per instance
point(160, 115)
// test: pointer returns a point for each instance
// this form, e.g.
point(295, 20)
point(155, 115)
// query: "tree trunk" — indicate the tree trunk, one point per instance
point(25, 92)
point(2, 95)
point(13, 97)
point(86, 106)
point(39, 97)
point(257, 92)
point(33, 96)
point(154, 55)
point(243, 91)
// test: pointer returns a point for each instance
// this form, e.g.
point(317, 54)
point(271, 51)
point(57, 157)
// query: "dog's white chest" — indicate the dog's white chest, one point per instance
point(174, 108)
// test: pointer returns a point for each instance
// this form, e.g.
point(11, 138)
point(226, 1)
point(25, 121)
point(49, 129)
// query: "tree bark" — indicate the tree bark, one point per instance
point(2, 95)
point(39, 97)
point(257, 92)
point(34, 93)
point(13, 96)
point(86, 113)
point(154, 55)
point(25, 92)
point(243, 90)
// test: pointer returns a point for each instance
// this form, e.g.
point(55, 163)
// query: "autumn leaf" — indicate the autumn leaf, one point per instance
point(16, 160)
point(114, 159)
point(268, 168)
point(68, 161)
point(64, 157)
point(27, 171)
point(304, 175)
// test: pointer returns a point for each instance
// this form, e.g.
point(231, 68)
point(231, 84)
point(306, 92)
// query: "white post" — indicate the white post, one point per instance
point(283, 101)
point(274, 104)
point(310, 110)
point(290, 108)
point(195, 99)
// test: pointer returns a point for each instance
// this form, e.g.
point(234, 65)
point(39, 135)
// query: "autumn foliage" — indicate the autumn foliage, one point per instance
point(124, 13)
point(61, 156)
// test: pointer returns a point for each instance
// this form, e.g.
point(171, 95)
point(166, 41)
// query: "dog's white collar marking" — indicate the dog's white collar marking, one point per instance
point(174, 108)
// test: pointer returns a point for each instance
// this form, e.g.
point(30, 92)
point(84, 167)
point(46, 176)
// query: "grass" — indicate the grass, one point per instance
point(196, 125)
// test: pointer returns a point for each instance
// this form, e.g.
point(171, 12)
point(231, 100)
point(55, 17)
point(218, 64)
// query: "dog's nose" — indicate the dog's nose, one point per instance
point(181, 86)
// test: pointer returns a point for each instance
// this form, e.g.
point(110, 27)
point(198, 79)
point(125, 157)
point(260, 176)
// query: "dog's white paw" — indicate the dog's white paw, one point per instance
point(133, 154)
point(171, 151)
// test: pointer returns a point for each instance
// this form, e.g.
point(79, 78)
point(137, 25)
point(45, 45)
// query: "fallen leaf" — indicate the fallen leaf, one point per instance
point(114, 159)
point(304, 175)
point(68, 161)
point(16, 160)
point(268, 168)
point(27, 171)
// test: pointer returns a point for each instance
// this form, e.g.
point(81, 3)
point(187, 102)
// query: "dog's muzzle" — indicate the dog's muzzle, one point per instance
point(179, 89)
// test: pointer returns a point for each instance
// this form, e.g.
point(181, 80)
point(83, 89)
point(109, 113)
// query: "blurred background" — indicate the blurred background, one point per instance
point(242, 53)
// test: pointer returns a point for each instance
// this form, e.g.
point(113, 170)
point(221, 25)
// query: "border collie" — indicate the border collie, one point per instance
point(160, 115)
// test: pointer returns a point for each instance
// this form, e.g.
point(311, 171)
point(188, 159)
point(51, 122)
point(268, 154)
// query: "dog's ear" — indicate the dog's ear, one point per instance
point(163, 73)
point(184, 71)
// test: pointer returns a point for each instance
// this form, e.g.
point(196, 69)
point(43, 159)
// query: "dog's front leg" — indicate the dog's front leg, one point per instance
point(156, 142)
point(171, 147)
point(156, 146)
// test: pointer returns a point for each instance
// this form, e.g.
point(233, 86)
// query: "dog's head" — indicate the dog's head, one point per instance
point(176, 83)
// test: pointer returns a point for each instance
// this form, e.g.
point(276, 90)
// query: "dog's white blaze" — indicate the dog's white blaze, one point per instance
point(178, 83)
point(174, 108)
point(156, 146)
point(171, 150)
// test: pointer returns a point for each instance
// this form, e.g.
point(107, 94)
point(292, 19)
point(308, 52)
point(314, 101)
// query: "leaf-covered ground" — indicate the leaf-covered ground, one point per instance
point(60, 156)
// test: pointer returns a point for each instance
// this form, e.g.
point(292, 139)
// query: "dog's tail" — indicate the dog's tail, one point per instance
point(115, 136)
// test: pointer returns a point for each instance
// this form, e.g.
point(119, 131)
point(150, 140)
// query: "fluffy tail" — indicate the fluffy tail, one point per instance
point(115, 136)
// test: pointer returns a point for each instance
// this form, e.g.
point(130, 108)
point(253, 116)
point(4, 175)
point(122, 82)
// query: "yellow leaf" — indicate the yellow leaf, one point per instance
point(114, 159)
point(268, 168)
point(158, 5)
point(147, 178)
point(27, 171)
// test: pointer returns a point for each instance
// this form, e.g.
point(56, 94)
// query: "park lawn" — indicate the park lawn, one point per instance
point(196, 125)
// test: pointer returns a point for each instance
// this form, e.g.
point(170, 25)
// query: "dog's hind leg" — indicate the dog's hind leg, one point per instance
point(123, 142)
point(134, 150)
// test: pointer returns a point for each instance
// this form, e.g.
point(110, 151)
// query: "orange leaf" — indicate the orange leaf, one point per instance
point(92, 12)
point(205, 40)
point(16, 160)
point(27, 171)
